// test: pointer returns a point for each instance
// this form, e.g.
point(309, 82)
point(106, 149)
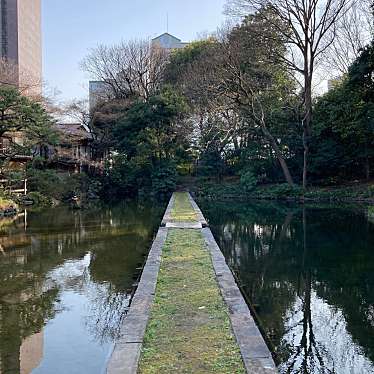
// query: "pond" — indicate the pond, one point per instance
point(308, 273)
point(65, 281)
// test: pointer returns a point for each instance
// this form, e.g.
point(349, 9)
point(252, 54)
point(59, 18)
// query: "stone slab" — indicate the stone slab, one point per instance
point(126, 353)
point(167, 216)
point(200, 216)
point(255, 353)
point(124, 359)
point(184, 225)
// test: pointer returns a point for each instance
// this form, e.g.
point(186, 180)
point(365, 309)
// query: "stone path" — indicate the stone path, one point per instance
point(195, 319)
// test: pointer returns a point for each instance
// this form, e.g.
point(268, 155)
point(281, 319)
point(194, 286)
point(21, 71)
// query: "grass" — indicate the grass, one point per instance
point(6, 203)
point(189, 329)
point(182, 210)
point(339, 193)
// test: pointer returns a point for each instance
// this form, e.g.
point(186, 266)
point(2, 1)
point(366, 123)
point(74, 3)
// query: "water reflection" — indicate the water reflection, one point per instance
point(64, 285)
point(309, 272)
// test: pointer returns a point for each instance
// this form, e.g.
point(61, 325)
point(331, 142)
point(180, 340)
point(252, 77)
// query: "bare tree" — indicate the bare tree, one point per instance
point(25, 82)
point(130, 69)
point(78, 111)
point(235, 77)
point(8, 73)
point(238, 80)
point(309, 29)
point(354, 31)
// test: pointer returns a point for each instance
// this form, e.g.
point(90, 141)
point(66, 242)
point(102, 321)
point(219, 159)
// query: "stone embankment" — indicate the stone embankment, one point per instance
point(188, 315)
point(7, 208)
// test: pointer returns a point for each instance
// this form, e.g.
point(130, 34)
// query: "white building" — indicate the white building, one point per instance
point(168, 41)
point(99, 91)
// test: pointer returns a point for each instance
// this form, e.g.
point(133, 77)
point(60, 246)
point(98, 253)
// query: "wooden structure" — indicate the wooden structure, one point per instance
point(75, 149)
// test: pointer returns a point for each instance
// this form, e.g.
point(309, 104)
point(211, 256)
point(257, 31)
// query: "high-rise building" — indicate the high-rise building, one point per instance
point(21, 44)
point(98, 93)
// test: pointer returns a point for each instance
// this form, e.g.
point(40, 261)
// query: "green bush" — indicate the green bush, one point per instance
point(37, 198)
point(371, 211)
point(207, 189)
point(278, 191)
point(248, 181)
point(60, 186)
point(47, 182)
point(284, 190)
point(164, 180)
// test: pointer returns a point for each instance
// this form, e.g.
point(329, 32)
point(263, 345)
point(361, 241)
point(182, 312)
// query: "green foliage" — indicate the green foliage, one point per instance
point(280, 191)
point(38, 199)
point(164, 179)
point(371, 211)
point(182, 59)
point(248, 181)
point(344, 124)
point(46, 182)
point(149, 138)
point(19, 113)
point(150, 128)
point(50, 184)
point(228, 105)
point(6, 204)
point(211, 163)
point(212, 190)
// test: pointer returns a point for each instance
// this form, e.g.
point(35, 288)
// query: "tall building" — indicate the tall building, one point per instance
point(334, 82)
point(98, 93)
point(21, 41)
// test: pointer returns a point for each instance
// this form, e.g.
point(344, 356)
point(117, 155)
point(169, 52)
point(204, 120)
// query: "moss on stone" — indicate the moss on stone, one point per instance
point(182, 210)
point(189, 329)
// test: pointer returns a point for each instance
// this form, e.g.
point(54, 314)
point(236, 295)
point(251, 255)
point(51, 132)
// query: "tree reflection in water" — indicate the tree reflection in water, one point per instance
point(309, 272)
point(62, 255)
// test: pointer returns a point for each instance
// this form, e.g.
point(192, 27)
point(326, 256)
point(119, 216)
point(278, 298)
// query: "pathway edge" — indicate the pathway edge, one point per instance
point(255, 353)
point(126, 353)
point(127, 350)
point(254, 350)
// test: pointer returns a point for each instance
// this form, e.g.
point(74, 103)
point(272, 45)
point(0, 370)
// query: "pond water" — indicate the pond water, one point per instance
point(65, 283)
point(309, 275)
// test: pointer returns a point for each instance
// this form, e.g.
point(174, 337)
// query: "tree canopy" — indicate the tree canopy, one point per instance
point(20, 113)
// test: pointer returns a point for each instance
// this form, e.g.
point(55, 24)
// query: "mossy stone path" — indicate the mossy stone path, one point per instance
point(189, 330)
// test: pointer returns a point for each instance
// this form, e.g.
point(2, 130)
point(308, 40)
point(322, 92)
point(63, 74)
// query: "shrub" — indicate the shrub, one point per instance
point(60, 186)
point(46, 182)
point(164, 180)
point(284, 190)
point(371, 211)
point(37, 198)
point(248, 181)
point(7, 203)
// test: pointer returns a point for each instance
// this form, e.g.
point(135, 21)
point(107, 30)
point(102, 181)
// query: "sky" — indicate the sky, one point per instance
point(72, 27)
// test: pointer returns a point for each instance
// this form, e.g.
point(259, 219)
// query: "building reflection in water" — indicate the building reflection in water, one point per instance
point(64, 280)
point(31, 353)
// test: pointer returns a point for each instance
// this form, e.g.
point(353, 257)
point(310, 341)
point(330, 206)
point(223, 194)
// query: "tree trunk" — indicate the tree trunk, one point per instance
point(307, 121)
point(278, 153)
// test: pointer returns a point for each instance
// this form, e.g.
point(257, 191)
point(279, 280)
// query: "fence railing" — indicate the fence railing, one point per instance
point(14, 186)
